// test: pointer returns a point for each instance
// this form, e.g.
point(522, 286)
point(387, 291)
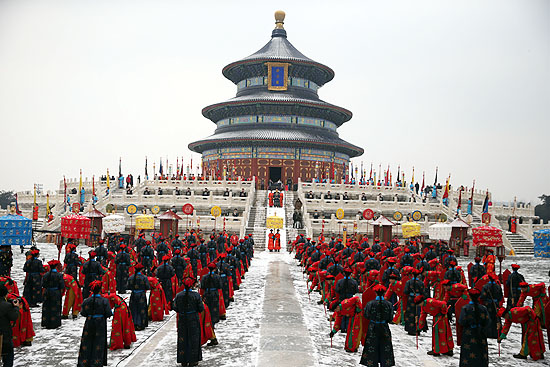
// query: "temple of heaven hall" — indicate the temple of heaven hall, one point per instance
point(277, 128)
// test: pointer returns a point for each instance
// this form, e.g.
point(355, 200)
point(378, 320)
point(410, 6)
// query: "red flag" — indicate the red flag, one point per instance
point(422, 189)
point(459, 198)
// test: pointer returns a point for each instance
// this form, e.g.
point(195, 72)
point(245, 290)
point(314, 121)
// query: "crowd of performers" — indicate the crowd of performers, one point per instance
point(367, 287)
point(168, 268)
point(275, 199)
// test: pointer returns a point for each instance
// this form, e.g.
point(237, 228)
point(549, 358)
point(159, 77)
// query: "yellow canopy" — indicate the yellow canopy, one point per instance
point(145, 222)
point(274, 222)
point(410, 229)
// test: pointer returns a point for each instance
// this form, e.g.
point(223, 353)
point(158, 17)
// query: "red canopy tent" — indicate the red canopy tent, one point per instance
point(169, 223)
point(96, 225)
point(383, 229)
point(75, 226)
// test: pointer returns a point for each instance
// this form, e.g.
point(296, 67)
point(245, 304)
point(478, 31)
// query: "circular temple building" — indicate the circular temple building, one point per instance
point(276, 128)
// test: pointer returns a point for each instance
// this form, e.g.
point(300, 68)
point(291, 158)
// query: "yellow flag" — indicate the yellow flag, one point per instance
point(80, 184)
point(108, 179)
point(48, 211)
point(35, 194)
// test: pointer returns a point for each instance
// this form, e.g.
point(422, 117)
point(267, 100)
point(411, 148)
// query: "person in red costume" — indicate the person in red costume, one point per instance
point(489, 261)
point(351, 308)
point(442, 336)
point(73, 297)
point(540, 299)
point(532, 341)
point(277, 247)
point(271, 241)
point(157, 301)
point(122, 330)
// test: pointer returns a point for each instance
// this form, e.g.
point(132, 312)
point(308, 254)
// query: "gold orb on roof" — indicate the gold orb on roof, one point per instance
point(279, 19)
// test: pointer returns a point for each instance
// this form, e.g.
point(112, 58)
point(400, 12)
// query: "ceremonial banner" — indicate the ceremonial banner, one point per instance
point(216, 211)
point(340, 213)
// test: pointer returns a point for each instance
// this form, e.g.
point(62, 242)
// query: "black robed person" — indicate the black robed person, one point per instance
point(139, 284)
point(474, 319)
point(93, 345)
point(188, 305)
point(123, 262)
point(53, 287)
point(378, 350)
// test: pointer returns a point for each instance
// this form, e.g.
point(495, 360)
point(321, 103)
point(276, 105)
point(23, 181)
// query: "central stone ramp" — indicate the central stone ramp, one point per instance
point(284, 337)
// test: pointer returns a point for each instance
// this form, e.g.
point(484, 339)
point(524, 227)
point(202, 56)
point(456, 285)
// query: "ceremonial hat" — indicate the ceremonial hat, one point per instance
point(477, 259)
point(515, 266)
point(379, 289)
point(347, 269)
point(35, 252)
point(446, 282)
point(188, 282)
point(53, 263)
point(494, 277)
point(212, 265)
point(92, 253)
point(452, 263)
point(138, 266)
point(122, 247)
point(474, 292)
point(523, 284)
point(177, 251)
point(166, 258)
point(96, 285)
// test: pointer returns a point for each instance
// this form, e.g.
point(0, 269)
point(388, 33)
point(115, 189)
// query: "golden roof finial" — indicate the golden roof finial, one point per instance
point(279, 19)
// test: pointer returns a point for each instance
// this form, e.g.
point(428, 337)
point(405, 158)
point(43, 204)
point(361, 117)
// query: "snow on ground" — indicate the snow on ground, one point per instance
point(239, 335)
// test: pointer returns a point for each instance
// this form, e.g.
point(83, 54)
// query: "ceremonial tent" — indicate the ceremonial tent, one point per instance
point(75, 226)
point(383, 229)
point(114, 224)
point(542, 243)
point(15, 230)
point(487, 236)
point(410, 229)
point(169, 223)
point(460, 231)
point(440, 232)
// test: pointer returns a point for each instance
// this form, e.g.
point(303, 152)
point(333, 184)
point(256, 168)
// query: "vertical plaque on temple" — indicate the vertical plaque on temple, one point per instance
point(277, 76)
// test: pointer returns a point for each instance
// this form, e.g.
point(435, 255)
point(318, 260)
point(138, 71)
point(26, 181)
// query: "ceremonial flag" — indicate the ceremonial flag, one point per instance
point(422, 189)
point(146, 175)
point(446, 193)
point(160, 169)
point(17, 211)
point(486, 203)
point(459, 205)
point(35, 190)
point(48, 211)
point(398, 171)
point(120, 167)
point(435, 181)
point(370, 176)
point(80, 184)
point(472, 195)
point(412, 181)
point(109, 179)
point(93, 185)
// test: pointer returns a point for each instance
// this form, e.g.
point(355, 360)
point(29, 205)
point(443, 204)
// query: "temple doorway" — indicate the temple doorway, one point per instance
point(274, 174)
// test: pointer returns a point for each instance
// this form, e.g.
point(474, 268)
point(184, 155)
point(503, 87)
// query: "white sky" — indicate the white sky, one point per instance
point(464, 85)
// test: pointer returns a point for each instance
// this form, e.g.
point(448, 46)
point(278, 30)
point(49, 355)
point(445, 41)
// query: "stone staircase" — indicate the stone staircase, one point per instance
point(256, 220)
point(521, 245)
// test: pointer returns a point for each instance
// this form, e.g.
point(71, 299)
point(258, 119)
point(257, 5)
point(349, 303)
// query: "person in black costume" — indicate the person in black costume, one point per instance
point(139, 284)
point(93, 345)
point(123, 262)
point(188, 305)
point(474, 319)
point(53, 287)
point(378, 350)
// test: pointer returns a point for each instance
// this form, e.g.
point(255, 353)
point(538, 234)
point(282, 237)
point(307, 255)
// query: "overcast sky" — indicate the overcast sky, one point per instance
point(463, 85)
